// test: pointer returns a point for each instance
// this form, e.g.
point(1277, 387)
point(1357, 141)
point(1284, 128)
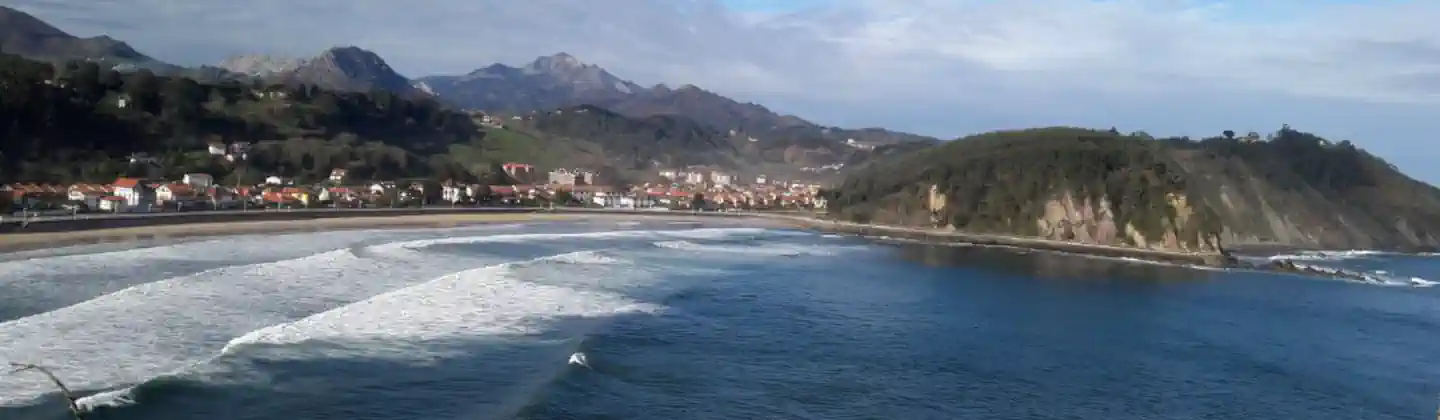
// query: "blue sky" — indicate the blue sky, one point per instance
point(1366, 71)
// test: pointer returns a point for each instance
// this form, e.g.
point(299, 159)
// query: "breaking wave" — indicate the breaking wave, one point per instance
point(1338, 255)
point(486, 301)
point(1378, 277)
point(385, 294)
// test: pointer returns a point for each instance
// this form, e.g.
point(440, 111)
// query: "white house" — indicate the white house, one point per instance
point(275, 180)
point(381, 187)
point(454, 193)
point(337, 175)
point(135, 193)
point(217, 149)
point(198, 180)
point(88, 194)
point(694, 178)
point(111, 203)
point(169, 193)
point(720, 178)
point(760, 180)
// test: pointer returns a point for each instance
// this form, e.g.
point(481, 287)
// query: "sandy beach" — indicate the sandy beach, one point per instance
point(20, 242)
point(30, 241)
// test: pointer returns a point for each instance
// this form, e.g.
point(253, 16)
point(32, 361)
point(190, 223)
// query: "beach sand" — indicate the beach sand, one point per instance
point(20, 242)
point(31, 241)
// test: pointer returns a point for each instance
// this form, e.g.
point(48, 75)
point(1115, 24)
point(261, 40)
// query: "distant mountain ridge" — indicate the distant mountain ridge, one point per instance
point(561, 80)
point(26, 35)
point(547, 83)
point(261, 65)
point(345, 68)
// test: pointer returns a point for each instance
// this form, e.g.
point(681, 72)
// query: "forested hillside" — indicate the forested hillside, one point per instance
point(1103, 187)
point(80, 123)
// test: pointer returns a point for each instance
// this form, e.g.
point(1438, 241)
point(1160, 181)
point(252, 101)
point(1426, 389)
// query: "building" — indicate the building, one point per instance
point(453, 193)
point(518, 170)
point(136, 193)
point(760, 180)
point(217, 149)
point(169, 193)
point(720, 178)
point(198, 180)
point(695, 178)
point(89, 194)
point(562, 176)
point(669, 174)
point(337, 175)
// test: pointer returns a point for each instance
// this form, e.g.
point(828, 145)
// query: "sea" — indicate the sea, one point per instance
point(691, 320)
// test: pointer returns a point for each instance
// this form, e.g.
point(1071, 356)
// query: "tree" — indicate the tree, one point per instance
point(564, 197)
point(697, 201)
point(1229, 135)
point(144, 90)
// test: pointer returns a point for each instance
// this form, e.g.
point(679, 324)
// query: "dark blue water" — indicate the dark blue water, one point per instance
point(786, 325)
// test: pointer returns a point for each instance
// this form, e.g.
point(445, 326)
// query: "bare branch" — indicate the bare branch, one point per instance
point(64, 391)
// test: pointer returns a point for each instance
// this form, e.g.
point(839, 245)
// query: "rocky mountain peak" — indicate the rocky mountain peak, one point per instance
point(558, 63)
point(261, 65)
point(350, 68)
point(355, 62)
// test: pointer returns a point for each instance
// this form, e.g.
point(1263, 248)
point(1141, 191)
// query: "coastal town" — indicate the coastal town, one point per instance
point(686, 189)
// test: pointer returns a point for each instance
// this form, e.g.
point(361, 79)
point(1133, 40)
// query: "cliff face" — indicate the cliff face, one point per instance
point(1103, 188)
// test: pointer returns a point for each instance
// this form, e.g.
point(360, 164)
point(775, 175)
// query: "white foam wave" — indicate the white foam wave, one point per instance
point(784, 250)
point(49, 282)
point(492, 300)
point(585, 257)
point(708, 233)
point(169, 326)
point(1336, 255)
point(165, 326)
point(485, 301)
point(1378, 277)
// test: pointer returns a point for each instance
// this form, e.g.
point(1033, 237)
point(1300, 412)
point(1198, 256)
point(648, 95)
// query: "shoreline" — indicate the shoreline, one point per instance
point(241, 225)
point(66, 232)
point(1208, 259)
point(41, 240)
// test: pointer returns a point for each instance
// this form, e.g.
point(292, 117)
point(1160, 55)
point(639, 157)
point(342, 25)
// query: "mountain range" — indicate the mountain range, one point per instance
point(656, 125)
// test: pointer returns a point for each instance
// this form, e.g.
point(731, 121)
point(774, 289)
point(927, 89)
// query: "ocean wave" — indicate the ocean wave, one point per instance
point(1377, 277)
point(698, 234)
point(1335, 255)
point(166, 326)
point(487, 301)
point(779, 250)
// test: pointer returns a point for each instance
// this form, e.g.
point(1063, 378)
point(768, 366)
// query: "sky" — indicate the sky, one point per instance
point(1365, 71)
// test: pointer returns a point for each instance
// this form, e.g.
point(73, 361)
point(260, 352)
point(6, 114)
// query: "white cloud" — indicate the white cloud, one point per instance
point(1367, 70)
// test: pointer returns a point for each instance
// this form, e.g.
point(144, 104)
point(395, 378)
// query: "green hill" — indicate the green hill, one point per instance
point(1102, 187)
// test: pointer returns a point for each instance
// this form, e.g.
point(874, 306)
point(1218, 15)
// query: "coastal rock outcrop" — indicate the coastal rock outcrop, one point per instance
point(1105, 188)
